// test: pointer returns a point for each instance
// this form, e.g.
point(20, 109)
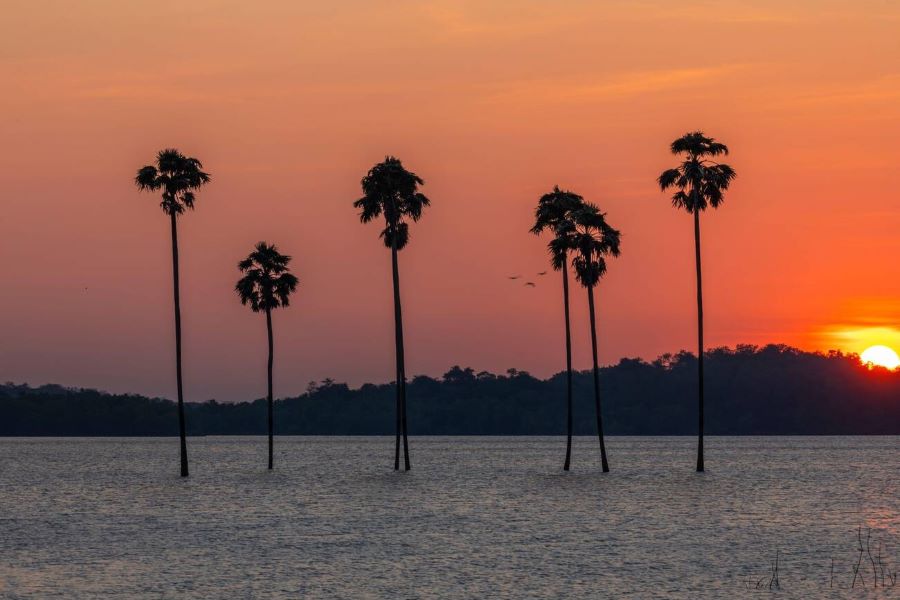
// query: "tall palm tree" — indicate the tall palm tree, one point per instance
point(699, 182)
point(178, 177)
point(592, 240)
point(267, 284)
point(392, 191)
point(554, 212)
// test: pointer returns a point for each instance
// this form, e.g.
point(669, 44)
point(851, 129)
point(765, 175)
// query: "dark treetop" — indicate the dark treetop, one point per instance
point(699, 182)
point(267, 283)
point(390, 189)
point(176, 176)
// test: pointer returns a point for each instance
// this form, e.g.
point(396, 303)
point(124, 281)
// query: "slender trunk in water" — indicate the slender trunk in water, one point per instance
point(398, 377)
point(181, 427)
point(401, 363)
point(700, 465)
point(269, 399)
point(565, 274)
point(597, 380)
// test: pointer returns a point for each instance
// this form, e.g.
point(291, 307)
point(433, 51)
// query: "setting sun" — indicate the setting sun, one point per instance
point(880, 356)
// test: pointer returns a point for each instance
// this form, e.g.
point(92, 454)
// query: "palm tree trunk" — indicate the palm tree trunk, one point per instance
point(181, 426)
point(597, 379)
point(700, 465)
point(401, 363)
point(565, 275)
point(269, 400)
point(398, 377)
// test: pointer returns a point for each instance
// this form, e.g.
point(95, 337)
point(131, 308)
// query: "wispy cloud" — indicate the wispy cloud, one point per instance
point(455, 19)
point(522, 18)
point(143, 92)
point(882, 89)
point(857, 339)
point(618, 86)
point(721, 12)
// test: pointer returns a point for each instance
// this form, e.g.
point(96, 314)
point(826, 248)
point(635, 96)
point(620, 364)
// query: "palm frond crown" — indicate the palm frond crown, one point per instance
point(698, 181)
point(390, 190)
point(553, 208)
point(177, 175)
point(592, 240)
point(554, 212)
point(267, 282)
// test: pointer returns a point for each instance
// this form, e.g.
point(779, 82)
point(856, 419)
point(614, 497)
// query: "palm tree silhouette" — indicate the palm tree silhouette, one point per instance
point(266, 285)
point(592, 239)
point(554, 209)
point(178, 177)
point(391, 190)
point(699, 182)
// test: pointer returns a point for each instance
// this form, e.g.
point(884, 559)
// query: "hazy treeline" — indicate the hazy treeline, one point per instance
point(751, 390)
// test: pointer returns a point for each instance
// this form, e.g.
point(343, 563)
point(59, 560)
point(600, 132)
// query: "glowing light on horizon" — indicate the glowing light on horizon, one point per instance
point(880, 356)
point(858, 339)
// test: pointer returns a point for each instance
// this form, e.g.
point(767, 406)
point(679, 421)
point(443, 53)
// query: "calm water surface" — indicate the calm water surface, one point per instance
point(476, 518)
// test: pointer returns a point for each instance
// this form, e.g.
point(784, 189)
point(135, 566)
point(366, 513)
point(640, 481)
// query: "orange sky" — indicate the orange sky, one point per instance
point(492, 103)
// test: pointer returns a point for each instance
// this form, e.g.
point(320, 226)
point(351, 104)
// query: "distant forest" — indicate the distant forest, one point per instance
point(751, 390)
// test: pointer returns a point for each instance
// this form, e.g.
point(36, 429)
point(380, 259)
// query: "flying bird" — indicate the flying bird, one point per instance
point(514, 276)
point(530, 284)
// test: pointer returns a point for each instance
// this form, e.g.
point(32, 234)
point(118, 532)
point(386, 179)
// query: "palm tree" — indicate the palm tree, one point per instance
point(592, 240)
point(391, 190)
point(699, 182)
point(266, 285)
point(554, 212)
point(178, 177)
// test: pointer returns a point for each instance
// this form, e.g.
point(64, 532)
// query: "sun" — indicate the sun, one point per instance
point(880, 356)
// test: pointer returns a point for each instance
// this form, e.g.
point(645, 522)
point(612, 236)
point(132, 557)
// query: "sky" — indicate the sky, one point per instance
point(492, 103)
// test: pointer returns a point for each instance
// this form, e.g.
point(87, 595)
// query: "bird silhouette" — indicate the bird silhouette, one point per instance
point(514, 276)
point(530, 284)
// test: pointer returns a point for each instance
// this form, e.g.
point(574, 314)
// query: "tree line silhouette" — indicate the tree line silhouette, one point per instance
point(581, 237)
point(771, 390)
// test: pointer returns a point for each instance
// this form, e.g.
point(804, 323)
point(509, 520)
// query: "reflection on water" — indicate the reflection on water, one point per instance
point(476, 518)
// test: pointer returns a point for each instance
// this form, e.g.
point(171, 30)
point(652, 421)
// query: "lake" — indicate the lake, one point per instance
point(475, 518)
